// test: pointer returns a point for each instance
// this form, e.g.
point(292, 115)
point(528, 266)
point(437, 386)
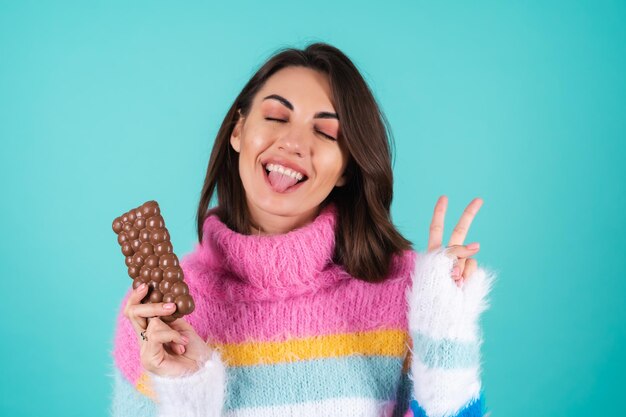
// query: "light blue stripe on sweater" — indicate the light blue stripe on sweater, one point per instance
point(313, 380)
point(444, 353)
point(127, 401)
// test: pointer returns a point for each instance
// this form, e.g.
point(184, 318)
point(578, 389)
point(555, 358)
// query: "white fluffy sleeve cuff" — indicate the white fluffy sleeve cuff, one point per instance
point(199, 394)
point(440, 309)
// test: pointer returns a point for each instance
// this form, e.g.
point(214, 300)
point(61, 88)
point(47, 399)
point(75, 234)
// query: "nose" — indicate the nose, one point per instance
point(294, 142)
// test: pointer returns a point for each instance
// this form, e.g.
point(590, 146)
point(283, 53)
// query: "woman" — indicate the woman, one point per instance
point(308, 299)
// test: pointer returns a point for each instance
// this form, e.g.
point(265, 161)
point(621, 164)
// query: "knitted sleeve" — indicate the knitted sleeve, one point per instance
point(446, 338)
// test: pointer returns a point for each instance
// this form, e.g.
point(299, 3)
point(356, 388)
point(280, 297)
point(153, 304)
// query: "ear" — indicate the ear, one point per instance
point(235, 137)
point(341, 181)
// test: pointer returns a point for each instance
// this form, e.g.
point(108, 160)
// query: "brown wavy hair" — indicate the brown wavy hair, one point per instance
point(365, 238)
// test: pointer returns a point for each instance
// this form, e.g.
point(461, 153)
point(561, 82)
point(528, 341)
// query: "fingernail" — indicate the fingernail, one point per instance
point(473, 245)
point(169, 306)
point(141, 287)
point(455, 271)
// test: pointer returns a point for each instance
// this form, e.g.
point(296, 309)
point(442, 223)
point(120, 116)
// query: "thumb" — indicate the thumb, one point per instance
point(462, 251)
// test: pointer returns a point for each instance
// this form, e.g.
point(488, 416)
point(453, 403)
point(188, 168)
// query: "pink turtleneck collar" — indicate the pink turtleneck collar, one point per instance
point(282, 265)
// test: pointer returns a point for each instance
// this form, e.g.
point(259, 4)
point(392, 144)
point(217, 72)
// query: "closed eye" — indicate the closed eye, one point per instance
point(328, 136)
point(285, 121)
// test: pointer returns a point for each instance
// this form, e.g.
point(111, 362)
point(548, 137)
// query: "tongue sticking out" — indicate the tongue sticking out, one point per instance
point(280, 182)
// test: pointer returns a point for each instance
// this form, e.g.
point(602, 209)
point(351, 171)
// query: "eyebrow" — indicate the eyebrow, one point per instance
point(286, 103)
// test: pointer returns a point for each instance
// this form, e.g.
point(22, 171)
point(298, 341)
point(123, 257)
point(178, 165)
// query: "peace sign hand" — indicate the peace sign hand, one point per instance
point(444, 318)
point(464, 265)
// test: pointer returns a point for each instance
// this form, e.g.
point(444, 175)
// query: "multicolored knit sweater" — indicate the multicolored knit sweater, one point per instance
point(294, 334)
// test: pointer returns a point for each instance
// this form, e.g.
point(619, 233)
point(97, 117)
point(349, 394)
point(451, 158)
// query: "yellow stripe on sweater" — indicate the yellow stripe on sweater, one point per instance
point(381, 342)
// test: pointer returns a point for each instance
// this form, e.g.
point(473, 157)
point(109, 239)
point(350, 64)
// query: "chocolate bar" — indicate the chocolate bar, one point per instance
point(150, 258)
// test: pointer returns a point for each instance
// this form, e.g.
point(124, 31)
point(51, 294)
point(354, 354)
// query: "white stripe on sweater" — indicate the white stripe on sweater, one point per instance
point(443, 392)
point(339, 407)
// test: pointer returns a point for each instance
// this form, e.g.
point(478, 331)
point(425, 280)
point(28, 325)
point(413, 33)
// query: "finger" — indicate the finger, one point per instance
point(462, 251)
point(139, 313)
point(135, 297)
point(176, 347)
point(159, 338)
point(150, 311)
point(159, 325)
point(156, 325)
point(187, 330)
point(460, 230)
point(435, 236)
point(153, 310)
point(165, 336)
point(470, 267)
point(184, 328)
point(457, 271)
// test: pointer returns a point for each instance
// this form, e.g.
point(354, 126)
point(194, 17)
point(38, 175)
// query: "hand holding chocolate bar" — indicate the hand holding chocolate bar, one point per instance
point(150, 258)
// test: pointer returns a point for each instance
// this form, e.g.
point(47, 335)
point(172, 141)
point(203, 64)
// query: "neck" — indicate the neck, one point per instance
point(265, 223)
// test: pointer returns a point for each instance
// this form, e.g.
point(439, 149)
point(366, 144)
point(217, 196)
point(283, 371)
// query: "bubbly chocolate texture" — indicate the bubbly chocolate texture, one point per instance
point(150, 258)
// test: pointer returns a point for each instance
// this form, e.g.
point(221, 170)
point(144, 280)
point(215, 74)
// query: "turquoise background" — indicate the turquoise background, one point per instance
point(520, 103)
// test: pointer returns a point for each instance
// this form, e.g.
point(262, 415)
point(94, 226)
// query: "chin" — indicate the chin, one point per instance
point(281, 208)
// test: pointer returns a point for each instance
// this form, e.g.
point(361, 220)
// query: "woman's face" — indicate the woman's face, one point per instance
point(302, 136)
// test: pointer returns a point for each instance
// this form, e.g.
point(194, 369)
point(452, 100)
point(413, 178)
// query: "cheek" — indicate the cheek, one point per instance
point(330, 164)
point(253, 144)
